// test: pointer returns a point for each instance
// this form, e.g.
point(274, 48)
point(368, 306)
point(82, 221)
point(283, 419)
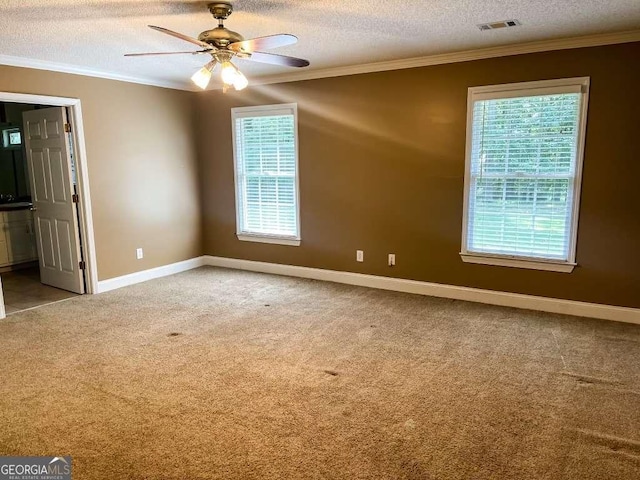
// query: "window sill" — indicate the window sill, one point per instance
point(294, 242)
point(533, 264)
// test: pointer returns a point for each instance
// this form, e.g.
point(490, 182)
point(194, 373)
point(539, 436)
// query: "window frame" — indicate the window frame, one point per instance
point(514, 90)
point(265, 111)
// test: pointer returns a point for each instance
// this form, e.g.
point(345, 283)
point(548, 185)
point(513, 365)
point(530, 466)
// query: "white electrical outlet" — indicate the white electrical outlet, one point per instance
point(139, 253)
point(392, 259)
point(359, 256)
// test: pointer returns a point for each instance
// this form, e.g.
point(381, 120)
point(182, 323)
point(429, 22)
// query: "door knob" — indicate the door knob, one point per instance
point(33, 208)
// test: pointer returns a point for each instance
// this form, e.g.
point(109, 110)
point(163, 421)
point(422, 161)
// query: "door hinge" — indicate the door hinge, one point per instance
point(67, 127)
point(75, 198)
point(82, 265)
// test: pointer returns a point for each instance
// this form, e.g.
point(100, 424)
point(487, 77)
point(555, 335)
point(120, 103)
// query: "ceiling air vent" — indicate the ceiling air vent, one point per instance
point(502, 24)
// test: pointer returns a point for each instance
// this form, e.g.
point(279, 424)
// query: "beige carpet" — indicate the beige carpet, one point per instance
point(219, 374)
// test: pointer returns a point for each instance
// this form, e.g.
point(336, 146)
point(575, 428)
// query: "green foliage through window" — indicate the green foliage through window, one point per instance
point(522, 172)
point(266, 174)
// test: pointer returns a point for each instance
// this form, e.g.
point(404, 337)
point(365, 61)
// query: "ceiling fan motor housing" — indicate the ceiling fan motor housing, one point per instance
point(220, 37)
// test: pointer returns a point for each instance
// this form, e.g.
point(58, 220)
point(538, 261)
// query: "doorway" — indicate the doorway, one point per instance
point(23, 289)
point(54, 243)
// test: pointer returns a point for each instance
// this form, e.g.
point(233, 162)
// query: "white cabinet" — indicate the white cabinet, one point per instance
point(20, 244)
point(17, 239)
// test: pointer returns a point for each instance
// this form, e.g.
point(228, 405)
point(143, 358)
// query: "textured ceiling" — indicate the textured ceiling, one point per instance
point(94, 34)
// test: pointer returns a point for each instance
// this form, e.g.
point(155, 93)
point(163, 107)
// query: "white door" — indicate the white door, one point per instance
point(52, 189)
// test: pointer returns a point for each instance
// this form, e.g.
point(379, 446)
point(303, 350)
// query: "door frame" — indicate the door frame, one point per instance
point(82, 180)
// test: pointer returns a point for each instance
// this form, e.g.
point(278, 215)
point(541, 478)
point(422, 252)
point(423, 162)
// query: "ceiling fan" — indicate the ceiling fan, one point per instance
point(223, 45)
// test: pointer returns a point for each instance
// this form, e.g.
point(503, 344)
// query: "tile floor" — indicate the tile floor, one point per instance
point(22, 289)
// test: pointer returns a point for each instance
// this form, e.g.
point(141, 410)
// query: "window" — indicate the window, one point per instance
point(266, 173)
point(11, 137)
point(523, 168)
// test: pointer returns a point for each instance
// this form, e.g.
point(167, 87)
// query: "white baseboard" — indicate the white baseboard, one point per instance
point(3, 313)
point(505, 299)
point(491, 297)
point(144, 275)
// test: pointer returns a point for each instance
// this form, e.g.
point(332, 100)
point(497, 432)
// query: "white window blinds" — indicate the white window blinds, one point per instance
point(266, 171)
point(522, 173)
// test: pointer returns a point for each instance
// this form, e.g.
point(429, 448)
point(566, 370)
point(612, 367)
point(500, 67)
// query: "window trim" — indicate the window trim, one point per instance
point(265, 111)
point(512, 90)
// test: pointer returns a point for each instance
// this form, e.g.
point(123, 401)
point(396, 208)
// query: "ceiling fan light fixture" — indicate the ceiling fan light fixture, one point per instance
point(229, 73)
point(203, 76)
point(240, 82)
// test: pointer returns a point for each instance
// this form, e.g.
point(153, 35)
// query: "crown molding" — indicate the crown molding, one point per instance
point(439, 59)
point(88, 72)
point(455, 57)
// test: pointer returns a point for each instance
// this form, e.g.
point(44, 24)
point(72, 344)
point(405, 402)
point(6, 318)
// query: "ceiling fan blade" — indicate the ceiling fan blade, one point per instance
point(274, 59)
point(186, 38)
point(264, 43)
point(197, 52)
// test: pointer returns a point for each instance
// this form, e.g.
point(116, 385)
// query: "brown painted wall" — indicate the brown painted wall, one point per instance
point(382, 164)
point(142, 166)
